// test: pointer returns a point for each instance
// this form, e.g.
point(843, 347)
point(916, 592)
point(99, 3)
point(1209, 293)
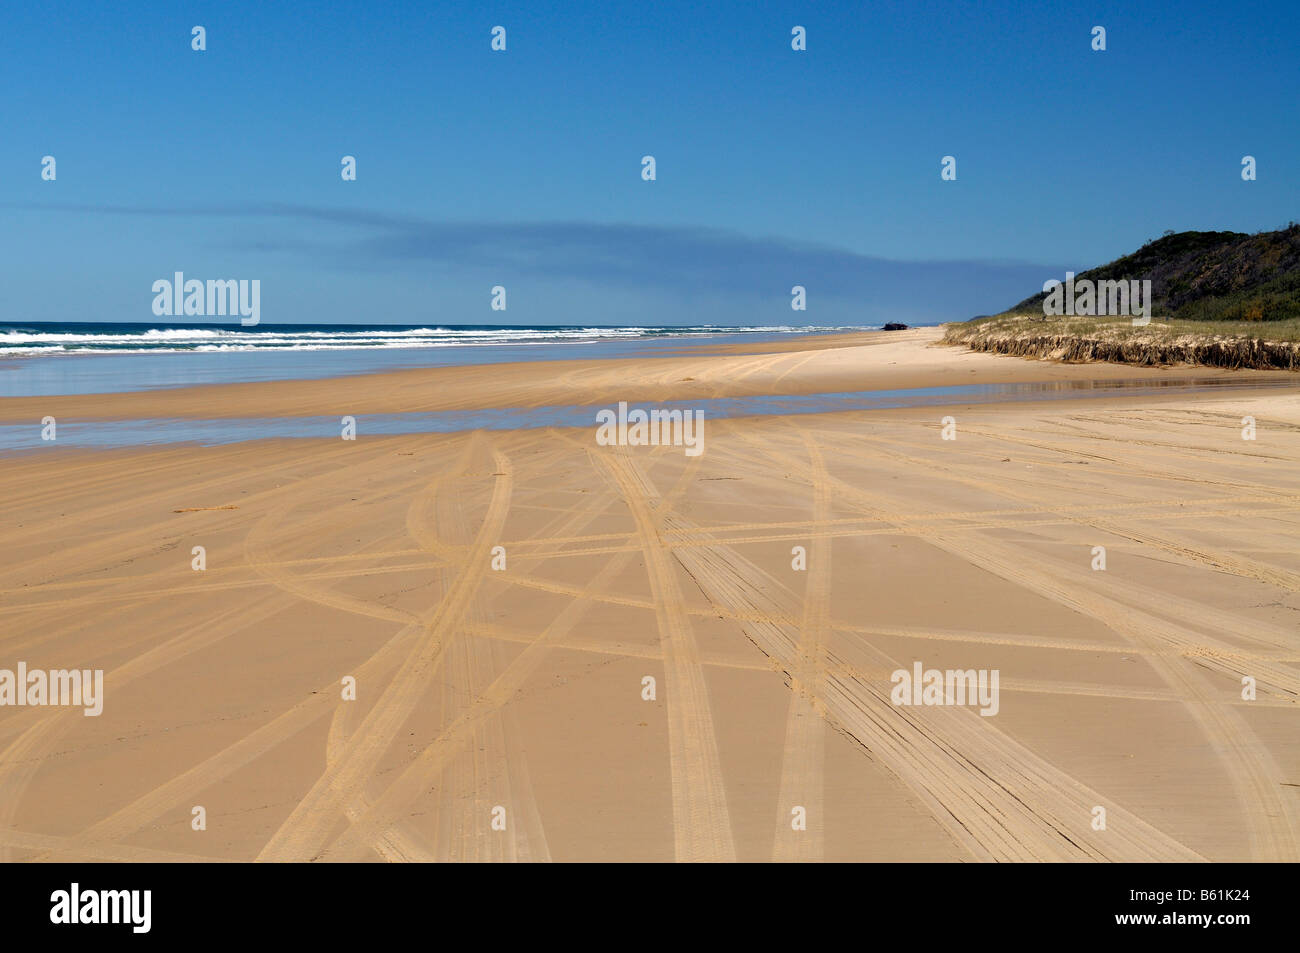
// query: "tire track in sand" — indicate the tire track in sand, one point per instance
point(456, 838)
point(996, 797)
point(701, 820)
point(418, 776)
point(803, 759)
point(307, 829)
point(1270, 816)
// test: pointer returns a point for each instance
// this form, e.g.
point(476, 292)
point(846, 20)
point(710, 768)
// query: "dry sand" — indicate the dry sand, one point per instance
point(522, 689)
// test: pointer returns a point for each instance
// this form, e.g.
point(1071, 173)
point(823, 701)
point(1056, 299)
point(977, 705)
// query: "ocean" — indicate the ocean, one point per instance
point(45, 359)
point(86, 337)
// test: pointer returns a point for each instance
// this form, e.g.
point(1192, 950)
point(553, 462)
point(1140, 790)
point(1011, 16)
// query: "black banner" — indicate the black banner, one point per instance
point(332, 903)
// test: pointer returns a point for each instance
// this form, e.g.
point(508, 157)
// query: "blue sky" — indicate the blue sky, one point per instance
point(522, 168)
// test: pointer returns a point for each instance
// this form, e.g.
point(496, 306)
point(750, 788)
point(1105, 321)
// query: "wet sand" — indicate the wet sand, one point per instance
point(514, 697)
point(806, 365)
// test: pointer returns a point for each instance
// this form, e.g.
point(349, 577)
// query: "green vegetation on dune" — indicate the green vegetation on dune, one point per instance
point(1209, 276)
point(1222, 299)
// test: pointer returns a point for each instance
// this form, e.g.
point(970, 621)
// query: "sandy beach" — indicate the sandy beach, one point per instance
point(523, 645)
